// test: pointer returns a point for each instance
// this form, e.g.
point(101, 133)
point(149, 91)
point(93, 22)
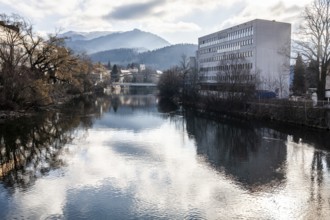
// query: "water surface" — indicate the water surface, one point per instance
point(133, 157)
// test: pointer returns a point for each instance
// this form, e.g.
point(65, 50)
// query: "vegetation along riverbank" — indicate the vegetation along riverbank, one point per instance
point(181, 86)
point(37, 72)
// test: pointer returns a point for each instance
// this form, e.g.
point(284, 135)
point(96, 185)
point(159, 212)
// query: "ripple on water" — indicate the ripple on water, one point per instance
point(194, 214)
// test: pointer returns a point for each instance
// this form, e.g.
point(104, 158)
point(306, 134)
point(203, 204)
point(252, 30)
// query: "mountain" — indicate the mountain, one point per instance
point(162, 59)
point(74, 36)
point(116, 56)
point(167, 57)
point(82, 42)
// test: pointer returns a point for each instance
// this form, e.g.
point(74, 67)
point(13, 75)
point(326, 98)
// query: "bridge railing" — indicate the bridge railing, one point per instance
point(135, 84)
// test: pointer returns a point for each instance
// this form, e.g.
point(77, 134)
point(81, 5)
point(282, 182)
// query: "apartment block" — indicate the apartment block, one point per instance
point(260, 48)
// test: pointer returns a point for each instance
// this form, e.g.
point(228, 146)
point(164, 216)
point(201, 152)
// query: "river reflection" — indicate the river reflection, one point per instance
point(133, 157)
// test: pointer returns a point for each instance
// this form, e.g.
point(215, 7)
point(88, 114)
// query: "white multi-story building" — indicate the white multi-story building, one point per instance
point(263, 48)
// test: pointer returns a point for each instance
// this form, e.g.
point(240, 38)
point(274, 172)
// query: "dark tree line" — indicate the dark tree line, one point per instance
point(305, 76)
point(298, 86)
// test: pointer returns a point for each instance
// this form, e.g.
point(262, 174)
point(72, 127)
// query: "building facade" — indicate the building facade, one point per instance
point(259, 48)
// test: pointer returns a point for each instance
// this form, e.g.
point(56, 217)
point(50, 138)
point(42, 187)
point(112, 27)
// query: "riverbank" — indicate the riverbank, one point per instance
point(4, 115)
point(14, 114)
point(280, 111)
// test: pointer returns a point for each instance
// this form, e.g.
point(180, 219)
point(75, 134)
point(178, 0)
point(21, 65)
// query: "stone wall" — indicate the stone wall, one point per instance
point(284, 111)
point(318, 117)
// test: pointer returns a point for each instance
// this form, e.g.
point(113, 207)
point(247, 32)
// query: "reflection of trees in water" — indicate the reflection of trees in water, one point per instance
point(258, 158)
point(31, 147)
point(315, 175)
point(318, 138)
point(141, 90)
point(319, 194)
point(252, 156)
point(166, 106)
point(115, 102)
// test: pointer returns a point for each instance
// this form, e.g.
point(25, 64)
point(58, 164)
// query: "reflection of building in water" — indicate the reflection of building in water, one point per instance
point(254, 157)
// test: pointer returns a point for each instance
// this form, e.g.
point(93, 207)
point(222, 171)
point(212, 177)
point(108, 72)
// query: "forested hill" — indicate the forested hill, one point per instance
point(116, 56)
point(161, 59)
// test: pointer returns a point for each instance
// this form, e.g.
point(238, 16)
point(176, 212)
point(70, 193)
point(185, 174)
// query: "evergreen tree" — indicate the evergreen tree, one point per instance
point(311, 74)
point(115, 73)
point(299, 87)
point(109, 65)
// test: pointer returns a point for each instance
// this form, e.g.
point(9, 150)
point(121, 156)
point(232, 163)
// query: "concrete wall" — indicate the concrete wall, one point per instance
point(272, 52)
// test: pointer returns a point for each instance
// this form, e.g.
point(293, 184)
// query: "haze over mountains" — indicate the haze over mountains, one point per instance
point(128, 47)
point(85, 42)
point(74, 36)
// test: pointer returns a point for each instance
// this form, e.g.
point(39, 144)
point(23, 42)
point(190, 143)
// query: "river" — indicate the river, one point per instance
point(134, 157)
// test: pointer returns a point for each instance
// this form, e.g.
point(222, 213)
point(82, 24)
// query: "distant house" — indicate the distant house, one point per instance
point(100, 74)
point(127, 75)
point(11, 27)
point(142, 67)
point(155, 77)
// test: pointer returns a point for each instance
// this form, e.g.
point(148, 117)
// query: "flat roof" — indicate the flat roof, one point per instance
point(245, 23)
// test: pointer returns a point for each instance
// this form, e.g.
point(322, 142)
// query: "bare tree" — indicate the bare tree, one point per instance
point(277, 83)
point(15, 77)
point(11, 42)
point(236, 82)
point(189, 74)
point(184, 69)
point(314, 40)
point(183, 64)
point(170, 83)
point(31, 65)
point(282, 77)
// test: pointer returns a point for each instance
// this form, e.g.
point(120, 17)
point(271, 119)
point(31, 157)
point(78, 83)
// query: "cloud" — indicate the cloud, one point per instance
point(159, 16)
point(81, 22)
point(281, 9)
point(174, 27)
point(278, 9)
point(294, 8)
point(272, 10)
point(39, 9)
point(134, 11)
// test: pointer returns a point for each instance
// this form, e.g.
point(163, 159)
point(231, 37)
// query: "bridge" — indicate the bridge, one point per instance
point(135, 84)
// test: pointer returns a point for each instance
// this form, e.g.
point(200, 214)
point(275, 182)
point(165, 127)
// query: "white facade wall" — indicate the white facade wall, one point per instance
point(265, 46)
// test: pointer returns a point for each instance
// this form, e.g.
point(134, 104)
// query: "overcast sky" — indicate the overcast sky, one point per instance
point(178, 21)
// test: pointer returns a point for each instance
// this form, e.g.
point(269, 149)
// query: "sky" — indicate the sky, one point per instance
point(177, 21)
